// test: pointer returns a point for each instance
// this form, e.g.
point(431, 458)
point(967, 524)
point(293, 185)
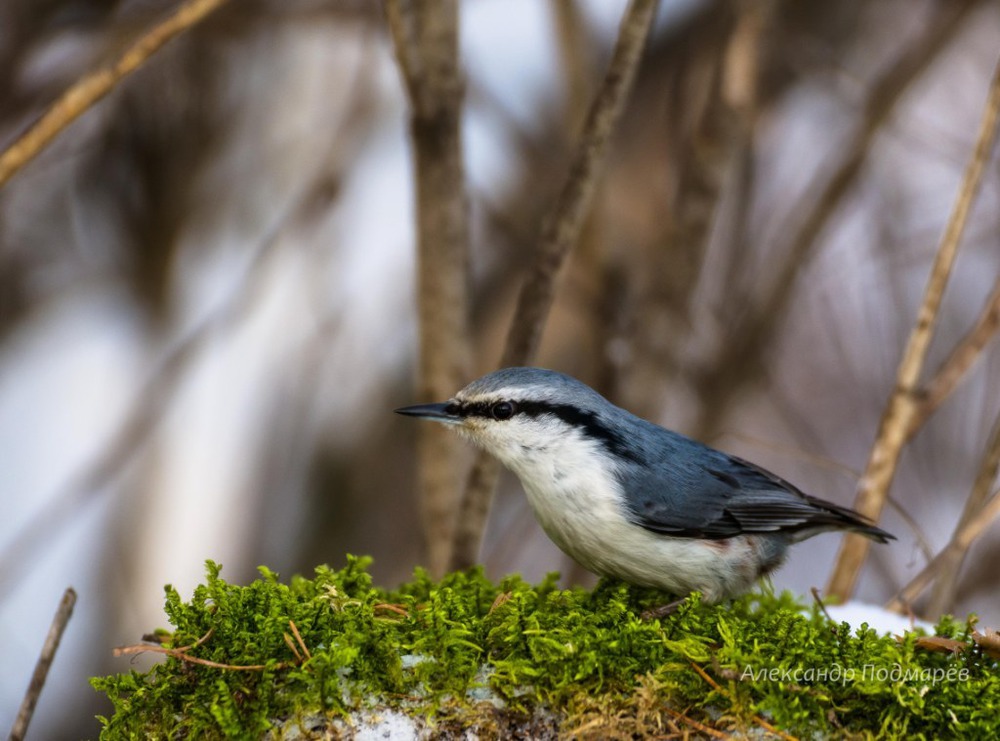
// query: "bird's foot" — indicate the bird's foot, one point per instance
point(663, 610)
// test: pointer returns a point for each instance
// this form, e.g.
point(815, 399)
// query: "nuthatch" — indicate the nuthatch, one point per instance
point(629, 499)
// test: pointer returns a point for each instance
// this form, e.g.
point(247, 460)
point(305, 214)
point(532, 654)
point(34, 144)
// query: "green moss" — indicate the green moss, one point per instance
point(438, 648)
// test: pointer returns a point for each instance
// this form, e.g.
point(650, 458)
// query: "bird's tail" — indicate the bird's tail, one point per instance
point(836, 517)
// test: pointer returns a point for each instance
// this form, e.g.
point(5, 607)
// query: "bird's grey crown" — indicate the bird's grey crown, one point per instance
point(535, 384)
point(534, 392)
point(670, 484)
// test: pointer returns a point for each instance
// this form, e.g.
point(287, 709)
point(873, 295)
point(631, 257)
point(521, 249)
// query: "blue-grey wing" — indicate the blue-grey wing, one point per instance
point(703, 493)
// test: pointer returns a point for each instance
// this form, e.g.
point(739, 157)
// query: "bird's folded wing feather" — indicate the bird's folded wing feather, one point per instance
point(723, 496)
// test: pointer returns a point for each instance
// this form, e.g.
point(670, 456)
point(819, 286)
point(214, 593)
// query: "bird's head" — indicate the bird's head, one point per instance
point(517, 413)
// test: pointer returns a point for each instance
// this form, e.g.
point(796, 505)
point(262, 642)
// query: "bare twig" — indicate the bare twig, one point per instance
point(86, 92)
point(959, 544)
point(750, 339)
point(63, 613)
point(559, 232)
point(904, 400)
point(425, 37)
point(404, 44)
point(959, 361)
point(946, 583)
point(298, 639)
point(182, 655)
point(292, 647)
point(561, 229)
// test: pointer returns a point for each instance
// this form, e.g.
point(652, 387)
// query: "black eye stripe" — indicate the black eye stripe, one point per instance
point(587, 422)
point(477, 409)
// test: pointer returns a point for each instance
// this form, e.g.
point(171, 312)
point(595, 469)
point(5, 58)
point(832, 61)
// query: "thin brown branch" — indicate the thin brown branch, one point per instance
point(89, 90)
point(898, 417)
point(946, 584)
point(59, 622)
point(709, 145)
point(208, 634)
point(559, 232)
point(958, 363)
point(959, 543)
point(182, 654)
point(749, 341)
point(474, 510)
point(401, 30)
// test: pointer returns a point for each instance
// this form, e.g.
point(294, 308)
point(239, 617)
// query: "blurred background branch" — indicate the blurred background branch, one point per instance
point(897, 419)
point(559, 232)
point(981, 510)
point(742, 357)
point(425, 38)
point(975, 518)
point(83, 94)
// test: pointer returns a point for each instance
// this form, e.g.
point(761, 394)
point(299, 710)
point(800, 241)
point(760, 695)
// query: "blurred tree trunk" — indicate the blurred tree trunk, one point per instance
point(425, 34)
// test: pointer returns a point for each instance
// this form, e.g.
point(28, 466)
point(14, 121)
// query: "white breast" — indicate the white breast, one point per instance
point(577, 502)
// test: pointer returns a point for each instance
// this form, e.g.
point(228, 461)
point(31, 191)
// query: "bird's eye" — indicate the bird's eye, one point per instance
point(502, 410)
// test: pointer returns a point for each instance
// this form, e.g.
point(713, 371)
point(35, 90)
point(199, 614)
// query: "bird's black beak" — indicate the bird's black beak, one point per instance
point(444, 411)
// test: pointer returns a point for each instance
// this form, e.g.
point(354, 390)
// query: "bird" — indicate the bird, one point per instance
point(628, 499)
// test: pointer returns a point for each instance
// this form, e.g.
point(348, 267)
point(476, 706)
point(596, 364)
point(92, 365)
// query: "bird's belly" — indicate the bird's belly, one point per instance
point(582, 514)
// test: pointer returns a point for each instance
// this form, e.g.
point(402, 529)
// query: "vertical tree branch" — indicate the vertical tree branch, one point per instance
point(559, 232)
point(425, 36)
point(904, 400)
point(87, 91)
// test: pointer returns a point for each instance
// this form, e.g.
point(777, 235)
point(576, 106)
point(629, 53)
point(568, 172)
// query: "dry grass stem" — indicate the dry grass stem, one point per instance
point(59, 622)
point(559, 232)
point(707, 730)
point(86, 92)
point(897, 420)
point(182, 655)
point(298, 639)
